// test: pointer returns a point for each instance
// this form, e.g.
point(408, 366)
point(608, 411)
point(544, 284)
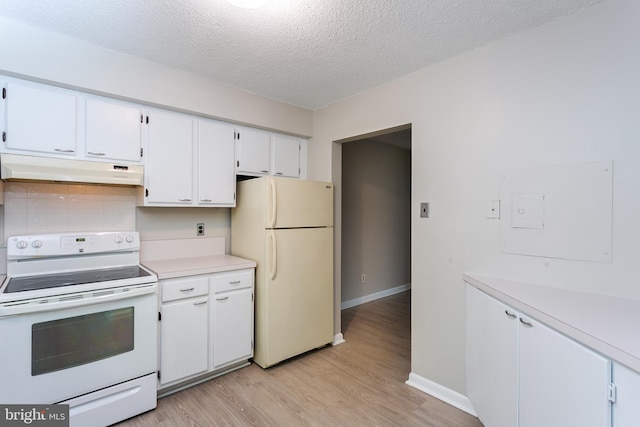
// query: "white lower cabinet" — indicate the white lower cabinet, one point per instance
point(492, 359)
point(206, 325)
point(522, 373)
point(183, 328)
point(626, 409)
point(561, 383)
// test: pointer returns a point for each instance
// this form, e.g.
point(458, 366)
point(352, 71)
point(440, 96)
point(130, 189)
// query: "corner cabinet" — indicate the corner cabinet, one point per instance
point(188, 162)
point(522, 373)
point(205, 327)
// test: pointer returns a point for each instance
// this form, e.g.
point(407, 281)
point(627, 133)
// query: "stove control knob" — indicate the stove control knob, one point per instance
point(22, 244)
point(130, 238)
point(36, 244)
point(119, 239)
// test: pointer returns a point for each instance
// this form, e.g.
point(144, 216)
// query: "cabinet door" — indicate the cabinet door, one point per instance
point(169, 166)
point(113, 130)
point(183, 339)
point(561, 382)
point(286, 156)
point(41, 119)
point(492, 359)
point(216, 173)
point(232, 327)
point(253, 150)
point(626, 411)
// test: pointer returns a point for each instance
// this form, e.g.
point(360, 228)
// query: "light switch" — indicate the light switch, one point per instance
point(527, 211)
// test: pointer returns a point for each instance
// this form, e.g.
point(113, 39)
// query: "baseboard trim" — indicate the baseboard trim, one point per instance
point(374, 296)
point(338, 339)
point(438, 391)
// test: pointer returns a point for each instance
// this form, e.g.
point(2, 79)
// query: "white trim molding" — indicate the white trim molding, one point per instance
point(375, 296)
point(438, 391)
point(338, 339)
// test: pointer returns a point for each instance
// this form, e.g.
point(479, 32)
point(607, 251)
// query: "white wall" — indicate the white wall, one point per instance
point(565, 92)
point(45, 56)
point(376, 219)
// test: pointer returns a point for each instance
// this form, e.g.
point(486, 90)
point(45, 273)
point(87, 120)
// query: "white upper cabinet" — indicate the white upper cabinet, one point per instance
point(216, 173)
point(113, 130)
point(252, 152)
point(39, 119)
point(285, 156)
point(267, 153)
point(169, 159)
point(47, 121)
point(188, 162)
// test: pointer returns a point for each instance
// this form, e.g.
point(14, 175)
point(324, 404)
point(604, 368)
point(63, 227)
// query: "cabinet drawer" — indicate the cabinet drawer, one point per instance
point(173, 289)
point(233, 280)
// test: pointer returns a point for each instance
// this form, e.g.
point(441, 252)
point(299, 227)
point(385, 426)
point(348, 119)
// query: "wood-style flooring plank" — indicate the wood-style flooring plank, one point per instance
point(357, 383)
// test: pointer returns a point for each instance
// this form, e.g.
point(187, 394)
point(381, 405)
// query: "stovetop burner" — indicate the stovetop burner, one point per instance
point(31, 283)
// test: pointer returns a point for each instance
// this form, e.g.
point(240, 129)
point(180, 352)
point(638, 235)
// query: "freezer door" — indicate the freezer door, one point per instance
point(295, 203)
point(294, 294)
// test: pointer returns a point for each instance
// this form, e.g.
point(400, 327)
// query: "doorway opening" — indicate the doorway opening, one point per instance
point(374, 192)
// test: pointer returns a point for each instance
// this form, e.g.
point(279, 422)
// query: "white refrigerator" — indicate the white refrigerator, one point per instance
point(286, 226)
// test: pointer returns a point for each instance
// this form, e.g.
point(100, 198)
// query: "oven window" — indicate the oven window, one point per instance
point(74, 341)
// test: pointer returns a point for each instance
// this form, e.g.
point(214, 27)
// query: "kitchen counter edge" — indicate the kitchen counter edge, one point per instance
point(608, 325)
point(184, 267)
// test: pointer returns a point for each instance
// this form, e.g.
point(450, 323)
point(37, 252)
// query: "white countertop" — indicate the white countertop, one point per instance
point(181, 267)
point(607, 325)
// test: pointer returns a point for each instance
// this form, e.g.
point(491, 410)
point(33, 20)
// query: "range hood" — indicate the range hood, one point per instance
point(20, 167)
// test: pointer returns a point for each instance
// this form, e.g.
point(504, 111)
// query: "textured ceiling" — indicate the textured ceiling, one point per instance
point(308, 53)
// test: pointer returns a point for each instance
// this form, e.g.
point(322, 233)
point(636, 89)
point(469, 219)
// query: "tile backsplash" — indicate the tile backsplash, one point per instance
point(32, 208)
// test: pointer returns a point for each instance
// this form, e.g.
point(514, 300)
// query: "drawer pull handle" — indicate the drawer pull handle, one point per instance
point(187, 290)
point(235, 282)
point(96, 154)
point(222, 299)
point(200, 302)
point(525, 323)
point(511, 315)
point(184, 200)
point(63, 150)
point(206, 200)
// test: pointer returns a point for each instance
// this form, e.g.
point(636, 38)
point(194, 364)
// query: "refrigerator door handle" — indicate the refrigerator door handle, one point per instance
point(274, 207)
point(274, 256)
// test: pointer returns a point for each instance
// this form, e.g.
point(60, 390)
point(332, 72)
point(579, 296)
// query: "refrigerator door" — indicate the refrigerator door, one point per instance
point(294, 295)
point(293, 203)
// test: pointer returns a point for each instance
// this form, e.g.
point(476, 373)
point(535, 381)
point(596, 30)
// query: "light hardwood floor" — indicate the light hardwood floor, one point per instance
point(357, 383)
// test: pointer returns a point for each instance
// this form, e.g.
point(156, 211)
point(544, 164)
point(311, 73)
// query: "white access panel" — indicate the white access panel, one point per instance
point(562, 211)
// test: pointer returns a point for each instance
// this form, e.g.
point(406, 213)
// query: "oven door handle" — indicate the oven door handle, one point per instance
point(76, 300)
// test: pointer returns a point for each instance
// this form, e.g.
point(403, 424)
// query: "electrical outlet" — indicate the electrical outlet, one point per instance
point(363, 279)
point(200, 229)
point(424, 210)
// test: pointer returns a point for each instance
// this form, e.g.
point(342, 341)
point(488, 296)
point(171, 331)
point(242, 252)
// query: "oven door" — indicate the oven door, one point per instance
point(68, 348)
